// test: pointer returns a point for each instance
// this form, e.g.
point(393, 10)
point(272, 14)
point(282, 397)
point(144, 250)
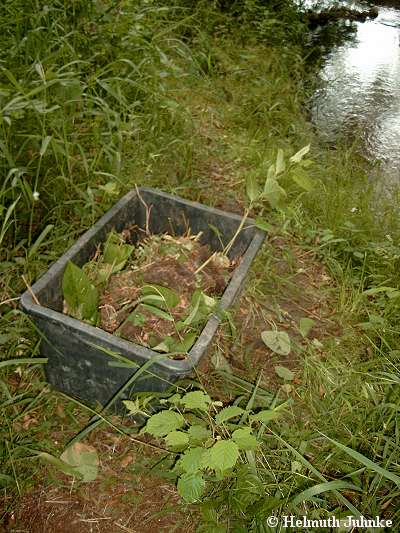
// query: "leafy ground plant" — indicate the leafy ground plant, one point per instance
point(158, 293)
point(211, 442)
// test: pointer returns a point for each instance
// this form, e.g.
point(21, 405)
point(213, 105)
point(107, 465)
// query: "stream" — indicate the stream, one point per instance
point(359, 91)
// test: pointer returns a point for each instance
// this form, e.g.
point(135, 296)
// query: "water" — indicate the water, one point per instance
point(359, 94)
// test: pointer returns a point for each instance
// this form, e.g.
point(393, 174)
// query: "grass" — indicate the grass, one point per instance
point(186, 100)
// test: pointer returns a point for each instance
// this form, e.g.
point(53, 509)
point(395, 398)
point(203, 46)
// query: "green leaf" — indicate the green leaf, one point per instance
point(6, 481)
point(23, 361)
point(303, 180)
point(222, 455)
point(265, 416)
point(253, 191)
point(377, 290)
point(191, 487)
point(298, 156)
point(45, 144)
point(116, 253)
point(200, 307)
point(284, 373)
point(177, 439)
point(83, 458)
point(227, 413)
point(306, 325)
point(274, 193)
point(58, 463)
point(196, 400)
point(178, 346)
point(135, 407)
point(163, 423)
point(191, 461)
point(198, 434)
point(366, 462)
point(263, 224)
point(81, 296)
point(169, 298)
point(280, 162)
point(244, 439)
point(158, 312)
point(136, 317)
point(309, 493)
point(37, 244)
point(277, 341)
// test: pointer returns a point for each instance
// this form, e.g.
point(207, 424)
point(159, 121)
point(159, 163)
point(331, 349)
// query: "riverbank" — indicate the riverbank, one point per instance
point(193, 102)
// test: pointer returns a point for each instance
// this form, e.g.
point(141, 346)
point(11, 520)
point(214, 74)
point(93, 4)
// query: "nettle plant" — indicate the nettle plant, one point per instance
point(211, 442)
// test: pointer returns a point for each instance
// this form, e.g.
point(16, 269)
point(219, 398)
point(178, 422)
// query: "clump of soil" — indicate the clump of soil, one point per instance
point(181, 264)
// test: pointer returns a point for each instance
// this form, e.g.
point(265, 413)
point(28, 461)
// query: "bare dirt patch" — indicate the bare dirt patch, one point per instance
point(124, 498)
point(289, 283)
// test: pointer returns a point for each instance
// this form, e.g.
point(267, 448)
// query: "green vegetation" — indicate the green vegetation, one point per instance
point(193, 98)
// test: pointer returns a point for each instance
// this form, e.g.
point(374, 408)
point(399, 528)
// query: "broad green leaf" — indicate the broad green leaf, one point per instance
point(83, 458)
point(327, 486)
point(303, 180)
point(298, 156)
point(177, 439)
point(198, 434)
point(263, 224)
point(191, 487)
point(280, 162)
point(158, 312)
point(178, 346)
point(163, 423)
point(200, 308)
point(58, 463)
point(174, 399)
point(227, 413)
point(277, 341)
point(169, 297)
point(79, 293)
point(196, 400)
point(284, 373)
point(222, 455)
point(274, 193)
point(116, 253)
point(191, 461)
point(253, 190)
point(244, 439)
point(184, 345)
point(306, 325)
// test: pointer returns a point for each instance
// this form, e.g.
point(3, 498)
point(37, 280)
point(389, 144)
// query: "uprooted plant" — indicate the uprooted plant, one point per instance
point(154, 293)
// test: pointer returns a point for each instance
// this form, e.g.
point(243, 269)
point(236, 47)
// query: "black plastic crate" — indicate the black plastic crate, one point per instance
point(78, 363)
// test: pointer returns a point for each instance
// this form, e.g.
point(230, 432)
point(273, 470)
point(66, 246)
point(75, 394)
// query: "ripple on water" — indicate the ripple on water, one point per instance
point(359, 95)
